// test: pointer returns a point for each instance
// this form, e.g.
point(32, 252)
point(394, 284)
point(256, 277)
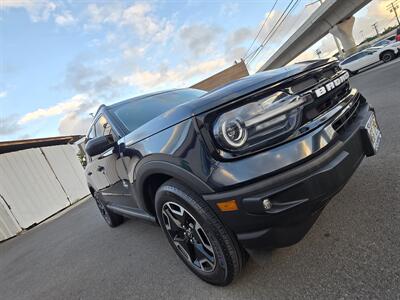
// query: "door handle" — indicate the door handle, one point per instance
point(100, 168)
point(90, 173)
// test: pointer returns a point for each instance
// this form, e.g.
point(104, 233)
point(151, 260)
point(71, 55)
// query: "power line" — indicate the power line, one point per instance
point(279, 24)
point(283, 20)
point(258, 50)
point(262, 26)
point(275, 28)
point(388, 22)
point(392, 7)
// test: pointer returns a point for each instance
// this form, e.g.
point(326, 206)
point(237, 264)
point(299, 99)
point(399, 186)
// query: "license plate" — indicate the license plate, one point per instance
point(374, 133)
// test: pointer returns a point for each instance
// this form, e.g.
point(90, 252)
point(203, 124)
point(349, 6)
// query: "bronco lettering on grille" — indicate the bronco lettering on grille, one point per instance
point(331, 85)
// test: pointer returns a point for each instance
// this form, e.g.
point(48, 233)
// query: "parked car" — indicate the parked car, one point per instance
point(398, 35)
point(391, 38)
point(248, 165)
point(369, 57)
point(382, 43)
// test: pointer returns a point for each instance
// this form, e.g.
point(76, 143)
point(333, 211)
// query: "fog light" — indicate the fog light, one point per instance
point(267, 204)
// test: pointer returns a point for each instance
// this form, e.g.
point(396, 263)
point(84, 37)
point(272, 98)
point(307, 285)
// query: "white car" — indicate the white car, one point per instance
point(382, 43)
point(370, 56)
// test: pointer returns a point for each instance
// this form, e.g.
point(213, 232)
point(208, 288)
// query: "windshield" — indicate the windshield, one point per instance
point(137, 112)
point(382, 43)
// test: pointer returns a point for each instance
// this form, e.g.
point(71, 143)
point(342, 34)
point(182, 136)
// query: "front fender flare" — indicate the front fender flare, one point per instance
point(144, 171)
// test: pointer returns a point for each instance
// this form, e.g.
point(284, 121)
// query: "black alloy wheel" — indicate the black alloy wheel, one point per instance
point(199, 238)
point(188, 236)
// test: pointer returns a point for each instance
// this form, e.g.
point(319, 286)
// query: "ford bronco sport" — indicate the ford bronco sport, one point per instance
point(250, 164)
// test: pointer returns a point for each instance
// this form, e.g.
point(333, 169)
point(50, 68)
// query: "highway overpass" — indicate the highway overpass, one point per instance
point(334, 16)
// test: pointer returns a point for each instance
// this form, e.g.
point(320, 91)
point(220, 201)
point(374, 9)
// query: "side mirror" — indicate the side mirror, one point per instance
point(98, 145)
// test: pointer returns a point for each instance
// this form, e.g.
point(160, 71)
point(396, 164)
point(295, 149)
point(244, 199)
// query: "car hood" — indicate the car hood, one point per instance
point(223, 95)
point(252, 83)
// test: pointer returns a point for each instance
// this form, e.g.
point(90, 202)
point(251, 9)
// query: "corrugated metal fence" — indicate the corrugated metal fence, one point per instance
point(37, 183)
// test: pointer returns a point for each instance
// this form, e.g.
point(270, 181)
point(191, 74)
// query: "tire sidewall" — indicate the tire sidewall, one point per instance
point(112, 219)
point(170, 193)
point(389, 55)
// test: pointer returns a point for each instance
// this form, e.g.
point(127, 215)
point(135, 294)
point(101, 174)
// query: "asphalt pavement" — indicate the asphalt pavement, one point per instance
point(352, 251)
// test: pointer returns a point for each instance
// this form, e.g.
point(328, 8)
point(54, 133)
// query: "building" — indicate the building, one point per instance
point(38, 178)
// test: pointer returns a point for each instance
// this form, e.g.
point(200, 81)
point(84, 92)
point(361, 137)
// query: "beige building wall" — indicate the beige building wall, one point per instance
point(234, 72)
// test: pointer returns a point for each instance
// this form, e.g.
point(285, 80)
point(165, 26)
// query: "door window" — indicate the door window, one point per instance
point(91, 133)
point(102, 127)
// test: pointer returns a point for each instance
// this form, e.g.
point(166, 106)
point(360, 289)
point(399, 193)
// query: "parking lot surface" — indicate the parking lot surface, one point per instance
point(353, 250)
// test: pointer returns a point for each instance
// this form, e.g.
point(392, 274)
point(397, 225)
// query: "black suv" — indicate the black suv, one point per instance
point(250, 164)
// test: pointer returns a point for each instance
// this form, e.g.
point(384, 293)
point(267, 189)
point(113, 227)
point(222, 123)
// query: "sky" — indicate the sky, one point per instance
point(61, 59)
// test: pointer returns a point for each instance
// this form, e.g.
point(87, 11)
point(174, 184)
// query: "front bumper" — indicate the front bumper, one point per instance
point(298, 195)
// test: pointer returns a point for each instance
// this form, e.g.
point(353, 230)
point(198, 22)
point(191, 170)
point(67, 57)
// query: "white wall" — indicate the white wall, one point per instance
point(8, 225)
point(37, 183)
point(68, 170)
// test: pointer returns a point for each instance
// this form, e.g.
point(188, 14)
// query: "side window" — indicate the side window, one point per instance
point(350, 59)
point(346, 61)
point(362, 54)
point(102, 126)
point(91, 133)
point(354, 57)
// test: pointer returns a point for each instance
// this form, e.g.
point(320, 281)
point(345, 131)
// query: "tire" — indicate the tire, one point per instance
point(387, 56)
point(196, 234)
point(111, 218)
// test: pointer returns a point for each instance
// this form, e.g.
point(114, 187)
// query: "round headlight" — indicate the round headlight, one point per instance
point(233, 132)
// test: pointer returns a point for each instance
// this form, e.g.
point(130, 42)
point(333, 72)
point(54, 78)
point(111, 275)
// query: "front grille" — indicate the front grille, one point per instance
point(321, 104)
point(314, 79)
point(346, 119)
point(326, 102)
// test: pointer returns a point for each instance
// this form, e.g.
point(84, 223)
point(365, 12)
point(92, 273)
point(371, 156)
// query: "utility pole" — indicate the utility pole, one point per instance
point(392, 7)
point(318, 51)
point(376, 27)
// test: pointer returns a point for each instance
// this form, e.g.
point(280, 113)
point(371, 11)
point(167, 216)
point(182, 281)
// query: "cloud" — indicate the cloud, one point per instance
point(239, 36)
point(24, 136)
point(73, 123)
point(107, 13)
point(3, 94)
point(37, 10)
point(138, 16)
point(95, 81)
point(133, 52)
point(233, 49)
point(229, 9)
point(74, 111)
point(235, 54)
point(78, 103)
point(65, 19)
point(9, 125)
point(375, 12)
point(182, 75)
point(200, 38)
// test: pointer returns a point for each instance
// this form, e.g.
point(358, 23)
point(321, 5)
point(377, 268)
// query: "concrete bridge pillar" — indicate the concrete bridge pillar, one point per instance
point(344, 32)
